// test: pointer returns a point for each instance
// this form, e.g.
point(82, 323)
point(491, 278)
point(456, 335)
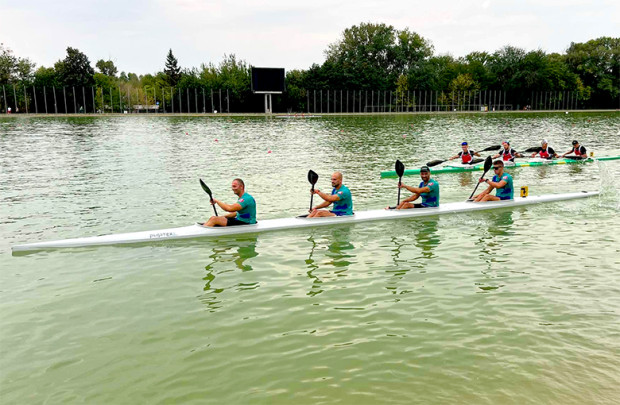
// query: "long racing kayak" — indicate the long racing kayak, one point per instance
point(199, 231)
point(458, 168)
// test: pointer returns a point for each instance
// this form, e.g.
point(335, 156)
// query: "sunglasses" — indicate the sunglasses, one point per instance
point(496, 167)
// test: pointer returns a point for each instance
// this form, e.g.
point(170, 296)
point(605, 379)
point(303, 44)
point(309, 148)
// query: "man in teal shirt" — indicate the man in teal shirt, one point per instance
point(428, 190)
point(243, 212)
point(340, 197)
point(502, 183)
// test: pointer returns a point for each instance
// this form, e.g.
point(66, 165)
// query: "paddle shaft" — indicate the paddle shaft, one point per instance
point(487, 164)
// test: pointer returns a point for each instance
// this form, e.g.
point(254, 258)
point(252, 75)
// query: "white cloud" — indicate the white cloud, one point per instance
point(138, 34)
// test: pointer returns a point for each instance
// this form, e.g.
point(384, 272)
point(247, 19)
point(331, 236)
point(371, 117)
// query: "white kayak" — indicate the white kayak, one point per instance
point(199, 231)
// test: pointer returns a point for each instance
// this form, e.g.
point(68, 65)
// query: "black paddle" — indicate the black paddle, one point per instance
point(312, 178)
point(575, 157)
point(208, 191)
point(530, 150)
point(487, 165)
point(494, 147)
point(400, 170)
point(473, 162)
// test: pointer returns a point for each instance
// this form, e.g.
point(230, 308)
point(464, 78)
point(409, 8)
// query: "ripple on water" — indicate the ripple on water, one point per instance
point(516, 306)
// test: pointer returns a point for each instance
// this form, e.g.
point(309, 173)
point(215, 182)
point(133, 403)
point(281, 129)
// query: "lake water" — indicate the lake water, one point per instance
point(512, 306)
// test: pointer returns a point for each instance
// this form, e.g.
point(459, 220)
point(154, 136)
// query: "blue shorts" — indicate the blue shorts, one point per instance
point(339, 213)
point(505, 198)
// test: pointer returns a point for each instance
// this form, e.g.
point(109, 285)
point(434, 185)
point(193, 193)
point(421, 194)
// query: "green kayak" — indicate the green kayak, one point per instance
point(477, 167)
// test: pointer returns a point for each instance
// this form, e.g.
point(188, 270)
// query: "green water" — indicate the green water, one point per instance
point(512, 307)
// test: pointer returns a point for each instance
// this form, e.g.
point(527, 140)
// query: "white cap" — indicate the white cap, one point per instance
point(544, 141)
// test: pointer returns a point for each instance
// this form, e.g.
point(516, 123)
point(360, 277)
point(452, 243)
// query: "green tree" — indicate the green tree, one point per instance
point(597, 62)
point(506, 65)
point(402, 90)
point(459, 90)
point(106, 67)
point(477, 64)
point(172, 70)
point(367, 56)
point(14, 69)
point(232, 75)
point(46, 77)
point(75, 69)
point(295, 96)
point(411, 50)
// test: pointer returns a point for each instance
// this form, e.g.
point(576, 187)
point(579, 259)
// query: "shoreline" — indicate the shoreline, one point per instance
point(303, 115)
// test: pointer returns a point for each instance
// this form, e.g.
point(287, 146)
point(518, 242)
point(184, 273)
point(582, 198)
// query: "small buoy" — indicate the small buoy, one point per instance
point(566, 112)
point(216, 140)
point(268, 151)
point(404, 136)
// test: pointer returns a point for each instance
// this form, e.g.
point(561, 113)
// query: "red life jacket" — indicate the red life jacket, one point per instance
point(467, 157)
point(507, 155)
point(544, 153)
point(577, 151)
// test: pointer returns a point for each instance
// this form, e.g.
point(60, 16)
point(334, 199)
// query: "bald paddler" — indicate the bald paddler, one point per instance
point(507, 153)
point(243, 212)
point(340, 198)
point(428, 190)
point(501, 182)
point(466, 155)
point(545, 151)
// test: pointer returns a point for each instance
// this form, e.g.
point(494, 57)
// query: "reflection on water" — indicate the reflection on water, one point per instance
point(235, 251)
point(498, 224)
point(425, 240)
point(498, 227)
point(339, 255)
point(467, 179)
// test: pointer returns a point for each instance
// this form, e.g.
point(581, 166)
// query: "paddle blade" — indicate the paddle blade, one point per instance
point(533, 149)
point(400, 168)
point(208, 191)
point(494, 147)
point(488, 162)
point(205, 188)
point(312, 177)
point(434, 162)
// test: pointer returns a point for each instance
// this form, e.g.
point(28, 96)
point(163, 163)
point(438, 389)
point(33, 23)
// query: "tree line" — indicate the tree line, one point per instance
point(367, 57)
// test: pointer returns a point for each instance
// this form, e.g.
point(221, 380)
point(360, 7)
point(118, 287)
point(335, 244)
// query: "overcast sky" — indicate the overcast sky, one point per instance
point(136, 34)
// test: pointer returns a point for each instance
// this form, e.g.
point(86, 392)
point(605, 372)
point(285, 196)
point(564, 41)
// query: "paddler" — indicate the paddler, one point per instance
point(340, 198)
point(545, 151)
point(501, 182)
point(243, 212)
point(466, 155)
point(428, 190)
point(578, 150)
point(507, 153)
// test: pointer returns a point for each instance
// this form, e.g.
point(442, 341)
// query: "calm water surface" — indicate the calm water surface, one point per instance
point(515, 306)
